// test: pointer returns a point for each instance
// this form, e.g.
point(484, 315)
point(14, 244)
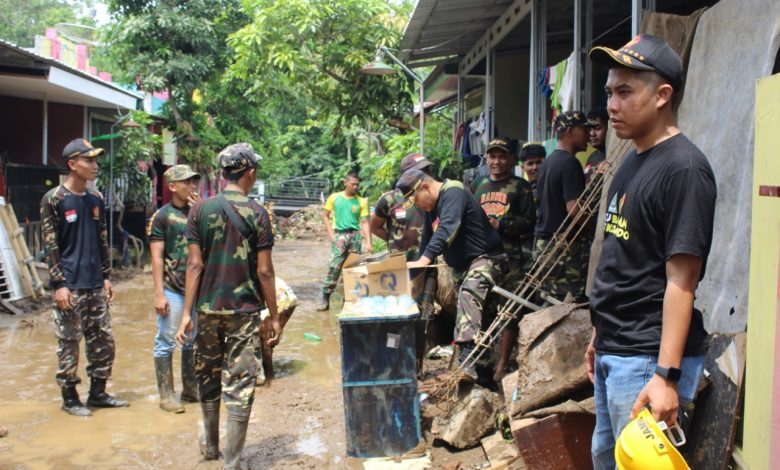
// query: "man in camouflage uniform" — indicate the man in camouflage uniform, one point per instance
point(229, 280)
point(347, 232)
point(167, 232)
point(396, 219)
point(76, 242)
point(456, 227)
point(561, 183)
point(508, 202)
point(532, 156)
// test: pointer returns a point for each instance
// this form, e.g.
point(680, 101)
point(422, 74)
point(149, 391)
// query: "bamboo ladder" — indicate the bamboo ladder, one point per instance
point(31, 282)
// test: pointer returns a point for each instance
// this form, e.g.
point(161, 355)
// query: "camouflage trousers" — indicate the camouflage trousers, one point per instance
point(473, 288)
point(343, 244)
point(225, 359)
point(88, 318)
point(570, 274)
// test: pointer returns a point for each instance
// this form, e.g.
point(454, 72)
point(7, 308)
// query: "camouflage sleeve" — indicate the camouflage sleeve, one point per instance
point(193, 235)
point(265, 234)
point(157, 227)
point(50, 226)
point(105, 264)
point(520, 221)
point(382, 208)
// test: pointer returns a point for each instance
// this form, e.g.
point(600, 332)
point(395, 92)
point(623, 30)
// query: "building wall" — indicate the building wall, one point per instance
point(66, 122)
point(511, 108)
point(761, 438)
point(21, 130)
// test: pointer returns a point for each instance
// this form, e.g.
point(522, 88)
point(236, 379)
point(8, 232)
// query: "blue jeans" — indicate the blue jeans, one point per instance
point(617, 383)
point(165, 340)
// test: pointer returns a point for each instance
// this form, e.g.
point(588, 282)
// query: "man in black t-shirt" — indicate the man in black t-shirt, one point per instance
point(456, 227)
point(648, 341)
point(76, 242)
point(560, 184)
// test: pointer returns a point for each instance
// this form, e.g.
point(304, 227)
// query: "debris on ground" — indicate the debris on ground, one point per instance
point(305, 224)
point(552, 345)
point(500, 452)
point(558, 441)
point(3, 431)
point(469, 420)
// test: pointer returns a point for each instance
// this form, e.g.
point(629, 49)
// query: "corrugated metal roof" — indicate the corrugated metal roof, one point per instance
point(56, 63)
point(442, 28)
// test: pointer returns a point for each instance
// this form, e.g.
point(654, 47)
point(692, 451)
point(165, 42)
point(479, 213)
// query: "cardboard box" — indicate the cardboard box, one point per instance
point(383, 275)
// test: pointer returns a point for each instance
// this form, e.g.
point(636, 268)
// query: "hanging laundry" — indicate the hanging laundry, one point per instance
point(567, 86)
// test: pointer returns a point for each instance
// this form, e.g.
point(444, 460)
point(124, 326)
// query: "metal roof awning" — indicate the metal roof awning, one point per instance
point(24, 74)
point(440, 29)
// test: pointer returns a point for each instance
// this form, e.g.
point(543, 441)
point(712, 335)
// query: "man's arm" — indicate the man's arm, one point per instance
point(519, 223)
point(377, 225)
point(267, 278)
point(328, 225)
point(104, 252)
point(453, 204)
point(366, 235)
point(682, 273)
point(157, 251)
point(62, 295)
point(191, 287)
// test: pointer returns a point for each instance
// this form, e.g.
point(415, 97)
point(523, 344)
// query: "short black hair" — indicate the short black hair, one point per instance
point(353, 174)
point(599, 113)
point(233, 177)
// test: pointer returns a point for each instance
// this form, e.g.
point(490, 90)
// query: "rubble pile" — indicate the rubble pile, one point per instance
point(305, 224)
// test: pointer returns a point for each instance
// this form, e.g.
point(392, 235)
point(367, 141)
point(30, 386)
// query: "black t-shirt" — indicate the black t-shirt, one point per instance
point(561, 179)
point(458, 228)
point(661, 203)
point(75, 236)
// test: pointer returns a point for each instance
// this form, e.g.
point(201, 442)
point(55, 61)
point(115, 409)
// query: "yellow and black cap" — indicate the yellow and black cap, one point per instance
point(80, 148)
point(644, 52)
point(409, 182)
point(501, 143)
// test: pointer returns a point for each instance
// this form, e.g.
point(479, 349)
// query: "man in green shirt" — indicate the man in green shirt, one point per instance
point(230, 280)
point(509, 204)
point(167, 232)
point(348, 231)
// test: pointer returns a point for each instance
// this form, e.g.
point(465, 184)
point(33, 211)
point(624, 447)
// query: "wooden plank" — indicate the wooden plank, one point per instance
point(716, 415)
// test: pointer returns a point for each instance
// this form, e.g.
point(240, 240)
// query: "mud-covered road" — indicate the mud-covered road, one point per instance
point(297, 422)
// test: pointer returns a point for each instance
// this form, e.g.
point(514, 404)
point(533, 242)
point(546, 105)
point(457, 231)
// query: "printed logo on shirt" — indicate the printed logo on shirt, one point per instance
point(494, 204)
point(400, 214)
point(614, 222)
point(96, 213)
point(71, 216)
point(355, 209)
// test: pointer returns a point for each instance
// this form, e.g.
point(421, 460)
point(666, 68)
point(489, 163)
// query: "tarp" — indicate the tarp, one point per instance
point(736, 43)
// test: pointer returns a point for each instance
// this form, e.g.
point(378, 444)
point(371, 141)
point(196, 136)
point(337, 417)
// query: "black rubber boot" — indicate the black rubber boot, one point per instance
point(323, 303)
point(469, 373)
point(71, 403)
point(209, 445)
point(189, 383)
point(164, 368)
point(236, 436)
point(98, 398)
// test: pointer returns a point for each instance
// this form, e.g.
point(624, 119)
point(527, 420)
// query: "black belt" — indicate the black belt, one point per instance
point(347, 230)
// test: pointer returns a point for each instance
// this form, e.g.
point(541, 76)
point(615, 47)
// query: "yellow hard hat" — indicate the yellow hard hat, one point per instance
point(642, 445)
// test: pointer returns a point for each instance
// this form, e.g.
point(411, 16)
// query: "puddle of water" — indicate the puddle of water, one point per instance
point(307, 390)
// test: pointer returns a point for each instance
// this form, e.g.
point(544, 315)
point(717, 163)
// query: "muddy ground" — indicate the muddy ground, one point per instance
point(297, 421)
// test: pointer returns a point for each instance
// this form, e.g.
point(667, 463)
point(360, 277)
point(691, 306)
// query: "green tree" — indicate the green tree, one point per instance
point(20, 21)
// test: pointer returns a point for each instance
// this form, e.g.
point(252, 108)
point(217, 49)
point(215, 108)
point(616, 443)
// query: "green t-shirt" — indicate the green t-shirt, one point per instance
point(347, 212)
point(510, 201)
point(169, 225)
point(228, 283)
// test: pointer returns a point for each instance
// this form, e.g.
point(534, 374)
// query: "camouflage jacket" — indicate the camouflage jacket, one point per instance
point(75, 237)
point(510, 201)
point(228, 284)
point(169, 225)
point(403, 222)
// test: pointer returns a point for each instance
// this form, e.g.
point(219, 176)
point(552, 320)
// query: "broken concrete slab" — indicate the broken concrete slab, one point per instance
point(550, 362)
point(469, 420)
point(569, 406)
point(561, 442)
point(500, 453)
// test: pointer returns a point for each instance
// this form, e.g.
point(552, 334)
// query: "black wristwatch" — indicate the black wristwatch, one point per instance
point(669, 373)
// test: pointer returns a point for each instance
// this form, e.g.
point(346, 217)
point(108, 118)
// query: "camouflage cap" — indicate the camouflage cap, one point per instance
point(571, 119)
point(238, 157)
point(180, 173)
point(80, 148)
